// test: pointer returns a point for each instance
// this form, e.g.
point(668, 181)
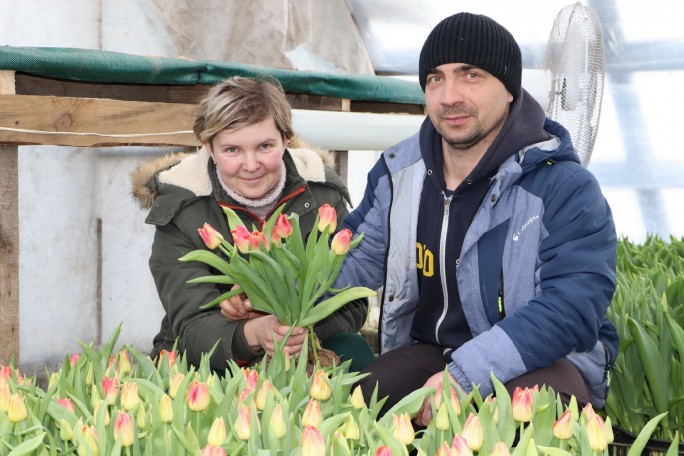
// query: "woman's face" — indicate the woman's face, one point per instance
point(249, 159)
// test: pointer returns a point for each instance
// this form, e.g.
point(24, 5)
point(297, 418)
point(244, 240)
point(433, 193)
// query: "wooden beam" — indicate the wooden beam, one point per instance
point(9, 242)
point(89, 122)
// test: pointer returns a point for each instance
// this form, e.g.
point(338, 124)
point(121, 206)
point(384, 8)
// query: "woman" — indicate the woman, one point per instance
point(245, 126)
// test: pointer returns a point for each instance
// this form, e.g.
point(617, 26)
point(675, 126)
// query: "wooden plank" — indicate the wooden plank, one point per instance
point(27, 84)
point(88, 122)
point(9, 242)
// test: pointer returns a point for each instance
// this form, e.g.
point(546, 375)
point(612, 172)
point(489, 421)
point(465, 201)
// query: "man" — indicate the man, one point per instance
point(495, 247)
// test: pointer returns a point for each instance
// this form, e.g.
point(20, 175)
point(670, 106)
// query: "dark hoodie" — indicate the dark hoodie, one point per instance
point(445, 216)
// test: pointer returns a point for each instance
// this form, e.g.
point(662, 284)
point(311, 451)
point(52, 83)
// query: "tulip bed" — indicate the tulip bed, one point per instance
point(648, 313)
point(102, 402)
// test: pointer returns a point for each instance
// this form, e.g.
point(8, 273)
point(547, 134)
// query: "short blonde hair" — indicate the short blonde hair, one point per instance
point(240, 102)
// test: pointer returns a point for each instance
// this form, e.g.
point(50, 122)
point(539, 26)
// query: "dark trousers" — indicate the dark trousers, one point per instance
point(405, 369)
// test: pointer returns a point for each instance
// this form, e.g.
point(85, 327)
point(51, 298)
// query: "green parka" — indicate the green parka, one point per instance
point(179, 193)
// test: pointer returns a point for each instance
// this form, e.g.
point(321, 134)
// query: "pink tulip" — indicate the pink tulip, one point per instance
point(312, 413)
point(123, 429)
point(460, 447)
point(521, 405)
point(73, 359)
point(89, 438)
point(67, 404)
point(110, 387)
point(198, 396)
point(444, 450)
point(562, 428)
point(5, 374)
point(243, 423)
point(327, 219)
point(213, 451)
point(210, 236)
point(312, 442)
point(340, 243)
point(283, 227)
point(252, 378)
point(170, 356)
point(383, 451)
point(241, 238)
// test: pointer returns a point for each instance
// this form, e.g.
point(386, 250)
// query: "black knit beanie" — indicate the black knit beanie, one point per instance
point(477, 40)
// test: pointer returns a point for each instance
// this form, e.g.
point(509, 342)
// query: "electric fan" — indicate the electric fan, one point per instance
point(575, 59)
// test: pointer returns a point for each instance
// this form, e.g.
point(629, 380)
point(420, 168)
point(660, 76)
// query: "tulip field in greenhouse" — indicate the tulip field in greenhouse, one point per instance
point(107, 401)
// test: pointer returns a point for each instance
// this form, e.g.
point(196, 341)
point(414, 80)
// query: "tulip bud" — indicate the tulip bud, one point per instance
point(252, 378)
point(459, 446)
point(89, 377)
point(105, 415)
point(198, 396)
point(175, 383)
point(73, 360)
point(67, 404)
point(383, 450)
point(123, 363)
point(5, 394)
point(340, 243)
point(16, 411)
point(170, 356)
point(327, 219)
point(609, 430)
point(241, 238)
point(54, 378)
point(500, 449)
point(90, 438)
point(312, 413)
point(283, 227)
point(402, 428)
point(217, 432)
point(110, 387)
point(258, 239)
point(456, 402)
point(472, 432)
point(210, 236)
point(339, 445)
point(277, 423)
point(5, 374)
point(166, 409)
point(213, 451)
point(437, 398)
point(351, 429)
point(66, 433)
point(596, 433)
point(357, 399)
point(140, 417)
point(521, 405)
point(495, 412)
point(123, 429)
point(442, 418)
point(562, 428)
point(129, 396)
point(320, 390)
point(265, 391)
point(243, 423)
point(443, 450)
point(312, 442)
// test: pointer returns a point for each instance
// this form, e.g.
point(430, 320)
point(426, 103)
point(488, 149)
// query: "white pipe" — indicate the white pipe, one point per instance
point(332, 130)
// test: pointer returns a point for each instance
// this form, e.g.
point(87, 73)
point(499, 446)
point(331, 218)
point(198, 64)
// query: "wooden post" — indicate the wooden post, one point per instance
point(9, 242)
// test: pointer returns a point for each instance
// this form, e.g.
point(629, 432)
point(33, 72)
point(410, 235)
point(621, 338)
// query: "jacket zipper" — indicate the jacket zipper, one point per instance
point(442, 263)
point(500, 299)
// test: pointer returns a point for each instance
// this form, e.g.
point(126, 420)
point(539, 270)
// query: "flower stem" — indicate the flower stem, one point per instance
point(314, 344)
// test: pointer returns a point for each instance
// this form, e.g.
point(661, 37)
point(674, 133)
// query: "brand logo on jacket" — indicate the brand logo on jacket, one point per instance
point(524, 226)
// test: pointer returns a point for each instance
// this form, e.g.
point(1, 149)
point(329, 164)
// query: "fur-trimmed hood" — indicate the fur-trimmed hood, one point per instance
point(189, 171)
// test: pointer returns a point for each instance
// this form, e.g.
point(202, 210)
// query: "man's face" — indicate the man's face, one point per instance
point(467, 105)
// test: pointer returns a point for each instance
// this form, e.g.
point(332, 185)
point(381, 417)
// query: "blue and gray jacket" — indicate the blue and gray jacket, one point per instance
point(542, 240)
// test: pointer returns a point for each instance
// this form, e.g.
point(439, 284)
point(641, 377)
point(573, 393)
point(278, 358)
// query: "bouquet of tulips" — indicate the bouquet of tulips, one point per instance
point(280, 273)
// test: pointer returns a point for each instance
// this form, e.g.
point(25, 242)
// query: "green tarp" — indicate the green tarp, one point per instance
point(90, 65)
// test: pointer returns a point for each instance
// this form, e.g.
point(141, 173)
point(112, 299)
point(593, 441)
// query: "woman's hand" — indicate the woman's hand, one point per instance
point(238, 308)
point(424, 415)
point(260, 332)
